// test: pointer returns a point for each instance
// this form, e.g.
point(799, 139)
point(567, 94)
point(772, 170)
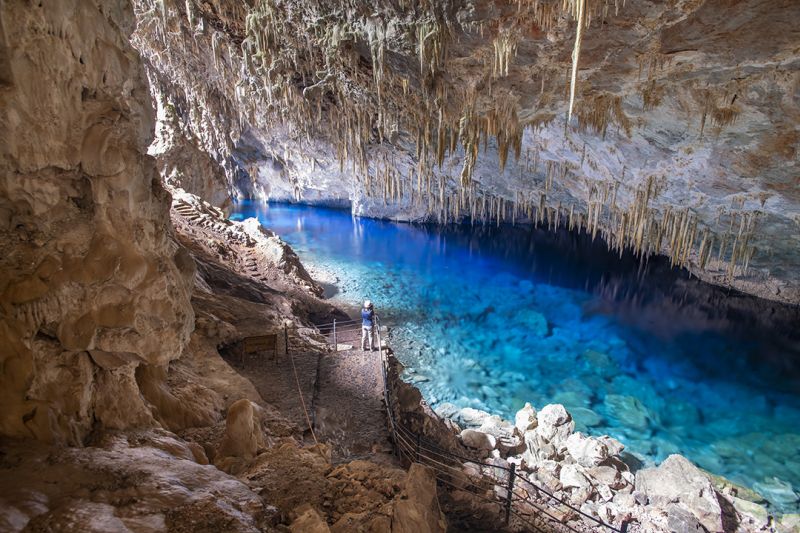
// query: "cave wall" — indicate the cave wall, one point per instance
point(91, 283)
point(683, 140)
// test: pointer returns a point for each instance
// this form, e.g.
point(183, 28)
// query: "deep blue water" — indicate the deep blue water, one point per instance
point(493, 317)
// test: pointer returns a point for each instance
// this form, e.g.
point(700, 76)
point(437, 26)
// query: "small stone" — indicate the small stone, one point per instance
point(680, 519)
point(580, 495)
point(624, 500)
point(554, 415)
point(606, 475)
point(555, 423)
point(605, 493)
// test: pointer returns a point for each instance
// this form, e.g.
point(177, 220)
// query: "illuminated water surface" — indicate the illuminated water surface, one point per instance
point(493, 317)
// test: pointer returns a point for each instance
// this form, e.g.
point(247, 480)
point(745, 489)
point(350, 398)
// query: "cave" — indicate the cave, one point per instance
point(400, 265)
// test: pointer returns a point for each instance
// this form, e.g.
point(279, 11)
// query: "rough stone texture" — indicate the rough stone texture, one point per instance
point(139, 481)
point(478, 440)
point(243, 435)
point(677, 479)
point(587, 451)
point(525, 418)
point(308, 521)
point(419, 511)
point(182, 163)
point(685, 100)
point(91, 285)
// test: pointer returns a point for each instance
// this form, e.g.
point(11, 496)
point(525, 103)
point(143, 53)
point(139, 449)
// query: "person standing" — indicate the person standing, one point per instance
point(367, 326)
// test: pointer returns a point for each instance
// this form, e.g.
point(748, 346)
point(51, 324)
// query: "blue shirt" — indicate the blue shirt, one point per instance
point(367, 318)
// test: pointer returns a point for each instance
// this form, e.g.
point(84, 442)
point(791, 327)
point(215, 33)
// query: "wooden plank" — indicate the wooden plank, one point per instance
point(260, 343)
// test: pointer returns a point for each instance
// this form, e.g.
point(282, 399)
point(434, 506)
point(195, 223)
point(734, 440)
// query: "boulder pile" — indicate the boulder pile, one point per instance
point(597, 477)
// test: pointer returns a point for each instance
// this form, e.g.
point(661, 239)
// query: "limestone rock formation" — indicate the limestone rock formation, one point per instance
point(91, 284)
point(681, 140)
point(139, 481)
point(243, 435)
point(676, 479)
point(419, 510)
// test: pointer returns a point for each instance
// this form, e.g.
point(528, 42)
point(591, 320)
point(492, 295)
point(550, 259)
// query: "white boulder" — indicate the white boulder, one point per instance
point(472, 418)
point(573, 476)
point(587, 451)
point(525, 419)
point(614, 446)
point(554, 423)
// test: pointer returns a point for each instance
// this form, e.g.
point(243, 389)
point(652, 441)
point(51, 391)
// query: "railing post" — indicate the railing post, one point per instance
point(335, 342)
point(510, 490)
point(286, 338)
point(418, 439)
point(378, 335)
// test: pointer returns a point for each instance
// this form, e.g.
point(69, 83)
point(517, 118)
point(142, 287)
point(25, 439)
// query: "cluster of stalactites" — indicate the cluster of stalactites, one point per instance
point(637, 225)
point(305, 73)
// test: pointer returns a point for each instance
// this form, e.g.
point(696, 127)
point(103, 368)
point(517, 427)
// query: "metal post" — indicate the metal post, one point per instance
point(286, 338)
point(335, 342)
point(510, 490)
point(377, 327)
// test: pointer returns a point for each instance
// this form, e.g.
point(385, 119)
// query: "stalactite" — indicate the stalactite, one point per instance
point(576, 55)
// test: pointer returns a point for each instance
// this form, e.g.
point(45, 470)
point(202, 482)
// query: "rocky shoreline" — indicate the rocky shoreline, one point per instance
point(593, 474)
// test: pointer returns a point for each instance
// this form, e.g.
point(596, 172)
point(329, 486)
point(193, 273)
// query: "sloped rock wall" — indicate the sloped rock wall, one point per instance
point(91, 284)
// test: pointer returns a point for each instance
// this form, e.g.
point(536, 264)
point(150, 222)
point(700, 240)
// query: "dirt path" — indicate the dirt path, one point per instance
point(343, 392)
point(275, 382)
point(348, 407)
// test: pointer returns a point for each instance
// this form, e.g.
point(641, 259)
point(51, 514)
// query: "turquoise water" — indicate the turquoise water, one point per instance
point(493, 317)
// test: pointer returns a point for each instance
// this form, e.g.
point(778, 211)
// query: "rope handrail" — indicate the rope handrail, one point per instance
point(337, 323)
point(511, 490)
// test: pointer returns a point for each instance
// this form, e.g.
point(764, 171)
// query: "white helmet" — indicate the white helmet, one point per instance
point(367, 304)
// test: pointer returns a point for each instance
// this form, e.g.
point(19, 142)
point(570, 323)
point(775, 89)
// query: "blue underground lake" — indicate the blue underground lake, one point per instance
point(491, 318)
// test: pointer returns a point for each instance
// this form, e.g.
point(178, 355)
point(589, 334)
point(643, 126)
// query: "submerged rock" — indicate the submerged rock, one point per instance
point(470, 417)
point(777, 491)
point(628, 411)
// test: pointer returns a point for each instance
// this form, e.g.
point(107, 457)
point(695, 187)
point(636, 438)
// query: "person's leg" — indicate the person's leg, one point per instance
point(371, 343)
point(364, 337)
